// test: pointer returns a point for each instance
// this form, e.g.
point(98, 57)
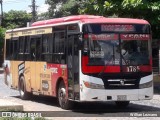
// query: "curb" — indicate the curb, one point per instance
point(6, 105)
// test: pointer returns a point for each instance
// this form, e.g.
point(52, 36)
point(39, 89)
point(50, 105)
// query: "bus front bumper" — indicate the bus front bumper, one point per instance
point(88, 94)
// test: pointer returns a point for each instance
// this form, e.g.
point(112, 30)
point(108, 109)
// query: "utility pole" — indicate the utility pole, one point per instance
point(34, 13)
point(1, 16)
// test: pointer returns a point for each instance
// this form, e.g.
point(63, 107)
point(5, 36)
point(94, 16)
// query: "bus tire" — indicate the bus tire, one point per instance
point(122, 104)
point(63, 101)
point(24, 95)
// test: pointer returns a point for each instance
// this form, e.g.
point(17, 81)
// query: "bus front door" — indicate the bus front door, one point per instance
point(73, 67)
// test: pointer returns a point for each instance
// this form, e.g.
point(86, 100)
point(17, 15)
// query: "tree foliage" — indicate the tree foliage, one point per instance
point(143, 9)
point(2, 34)
point(13, 19)
point(16, 19)
point(60, 8)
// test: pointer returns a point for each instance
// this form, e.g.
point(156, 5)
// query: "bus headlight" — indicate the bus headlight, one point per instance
point(146, 85)
point(93, 85)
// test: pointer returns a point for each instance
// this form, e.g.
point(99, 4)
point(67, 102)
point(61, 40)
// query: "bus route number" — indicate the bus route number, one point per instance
point(133, 68)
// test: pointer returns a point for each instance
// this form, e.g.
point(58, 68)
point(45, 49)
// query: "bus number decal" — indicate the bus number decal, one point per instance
point(133, 68)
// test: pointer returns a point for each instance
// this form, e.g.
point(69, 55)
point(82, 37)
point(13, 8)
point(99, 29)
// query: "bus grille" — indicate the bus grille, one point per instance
point(121, 84)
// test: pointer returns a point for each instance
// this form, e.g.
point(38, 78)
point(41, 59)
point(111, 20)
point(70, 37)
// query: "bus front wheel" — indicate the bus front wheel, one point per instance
point(62, 98)
point(22, 89)
point(122, 104)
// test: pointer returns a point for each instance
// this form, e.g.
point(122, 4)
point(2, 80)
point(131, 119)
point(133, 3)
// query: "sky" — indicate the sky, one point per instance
point(24, 5)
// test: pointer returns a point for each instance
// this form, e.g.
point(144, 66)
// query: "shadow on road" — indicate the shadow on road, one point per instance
point(43, 99)
point(111, 107)
point(98, 109)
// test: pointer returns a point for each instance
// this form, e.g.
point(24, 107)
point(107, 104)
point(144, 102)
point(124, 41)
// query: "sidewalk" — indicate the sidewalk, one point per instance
point(6, 105)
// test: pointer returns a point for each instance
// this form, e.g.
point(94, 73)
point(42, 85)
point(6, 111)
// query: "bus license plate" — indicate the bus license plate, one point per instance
point(121, 97)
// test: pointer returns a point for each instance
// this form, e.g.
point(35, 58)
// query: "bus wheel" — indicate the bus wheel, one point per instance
point(22, 89)
point(122, 104)
point(63, 101)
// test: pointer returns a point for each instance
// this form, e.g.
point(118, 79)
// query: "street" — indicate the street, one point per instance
point(49, 106)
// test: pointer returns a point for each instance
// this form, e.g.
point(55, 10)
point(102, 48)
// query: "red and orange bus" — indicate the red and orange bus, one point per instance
point(81, 58)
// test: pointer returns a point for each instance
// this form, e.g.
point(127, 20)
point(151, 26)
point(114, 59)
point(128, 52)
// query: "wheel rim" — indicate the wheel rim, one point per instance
point(21, 88)
point(62, 96)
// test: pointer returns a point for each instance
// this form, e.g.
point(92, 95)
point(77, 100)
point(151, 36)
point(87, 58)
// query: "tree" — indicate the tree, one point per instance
point(142, 9)
point(60, 8)
point(16, 19)
point(2, 34)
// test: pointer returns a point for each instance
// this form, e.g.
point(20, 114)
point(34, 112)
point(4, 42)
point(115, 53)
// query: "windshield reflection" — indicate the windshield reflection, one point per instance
point(104, 52)
point(135, 52)
point(109, 52)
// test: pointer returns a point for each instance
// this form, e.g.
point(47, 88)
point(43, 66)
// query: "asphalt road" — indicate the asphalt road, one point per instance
point(104, 110)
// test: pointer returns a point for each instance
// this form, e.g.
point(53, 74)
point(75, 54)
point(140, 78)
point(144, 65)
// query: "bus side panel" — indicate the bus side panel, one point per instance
point(33, 75)
point(38, 69)
point(45, 79)
point(58, 71)
point(27, 75)
point(15, 73)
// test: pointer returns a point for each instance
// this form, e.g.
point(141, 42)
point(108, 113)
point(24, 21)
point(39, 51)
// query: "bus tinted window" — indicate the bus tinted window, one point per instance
point(11, 49)
point(27, 48)
point(47, 47)
point(35, 48)
point(15, 49)
point(21, 48)
point(59, 47)
point(59, 42)
point(8, 49)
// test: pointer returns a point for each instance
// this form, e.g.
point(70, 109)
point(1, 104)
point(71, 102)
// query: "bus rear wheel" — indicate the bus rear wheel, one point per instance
point(22, 89)
point(62, 98)
point(122, 104)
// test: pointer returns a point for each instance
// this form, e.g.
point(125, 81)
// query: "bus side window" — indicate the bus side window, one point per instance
point(15, 49)
point(33, 49)
point(59, 47)
point(21, 48)
point(38, 49)
point(27, 48)
point(11, 49)
point(47, 48)
point(8, 49)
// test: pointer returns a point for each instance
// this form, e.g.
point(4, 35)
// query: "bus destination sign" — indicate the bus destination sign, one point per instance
point(117, 28)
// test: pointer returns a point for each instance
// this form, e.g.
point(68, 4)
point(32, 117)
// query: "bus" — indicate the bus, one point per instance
point(81, 58)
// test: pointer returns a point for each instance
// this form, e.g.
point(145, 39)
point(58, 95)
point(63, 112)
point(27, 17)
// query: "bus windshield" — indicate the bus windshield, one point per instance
point(109, 52)
point(103, 49)
point(118, 47)
point(135, 52)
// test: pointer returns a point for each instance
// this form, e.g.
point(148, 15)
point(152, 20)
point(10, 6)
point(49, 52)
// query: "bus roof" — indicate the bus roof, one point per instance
point(89, 19)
